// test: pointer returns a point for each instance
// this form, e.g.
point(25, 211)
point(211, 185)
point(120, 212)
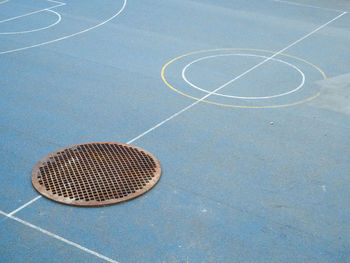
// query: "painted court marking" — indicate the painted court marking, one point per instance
point(243, 55)
point(308, 6)
point(59, 238)
point(68, 36)
point(59, 18)
point(34, 12)
point(238, 106)
point(149, 130)
point(25, 205)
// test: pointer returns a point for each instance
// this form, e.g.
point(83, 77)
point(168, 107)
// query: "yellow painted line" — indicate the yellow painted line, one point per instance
point(239, 106)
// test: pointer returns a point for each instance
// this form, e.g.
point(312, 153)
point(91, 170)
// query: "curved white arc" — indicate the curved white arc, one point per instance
point(32, 13)
point(38, 29)
point(69, 36)
point(240, 97)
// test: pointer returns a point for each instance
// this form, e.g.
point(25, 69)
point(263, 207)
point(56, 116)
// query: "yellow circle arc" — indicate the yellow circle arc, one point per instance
point(239, 49)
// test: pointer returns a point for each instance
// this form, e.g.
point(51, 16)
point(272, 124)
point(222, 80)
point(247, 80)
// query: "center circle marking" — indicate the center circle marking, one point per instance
point(240, 97)
point(203, 99)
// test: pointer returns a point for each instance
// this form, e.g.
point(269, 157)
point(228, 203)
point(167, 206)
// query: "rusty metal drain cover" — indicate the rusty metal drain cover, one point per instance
point(96, 174)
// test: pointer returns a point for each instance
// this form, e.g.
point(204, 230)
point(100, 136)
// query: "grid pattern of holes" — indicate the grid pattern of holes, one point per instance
point(96, 172)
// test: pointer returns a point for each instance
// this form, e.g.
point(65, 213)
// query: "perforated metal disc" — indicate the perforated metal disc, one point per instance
point(96, 174)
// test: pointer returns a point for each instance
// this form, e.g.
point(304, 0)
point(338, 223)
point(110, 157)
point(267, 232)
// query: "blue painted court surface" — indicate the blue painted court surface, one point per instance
point(244, 103)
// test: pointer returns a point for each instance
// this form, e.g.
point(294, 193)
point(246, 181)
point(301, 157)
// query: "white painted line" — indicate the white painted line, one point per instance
point(162, 122)
point(233, 80)
point(306, 36)
point(59, 238)
point(310, 6)
point(28, 14)
point(25, 205)
point(238, 97)
point(68, 36)
point(31, 13)
point(38, 29)
point(57, 2)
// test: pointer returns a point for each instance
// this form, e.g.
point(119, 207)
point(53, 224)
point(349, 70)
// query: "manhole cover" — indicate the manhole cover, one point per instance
point(96, 174)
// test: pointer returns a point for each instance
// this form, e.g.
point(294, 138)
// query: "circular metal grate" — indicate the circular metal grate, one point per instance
point(95, 174)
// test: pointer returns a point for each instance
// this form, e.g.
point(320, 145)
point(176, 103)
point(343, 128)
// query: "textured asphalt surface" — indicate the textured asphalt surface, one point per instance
point(244, 179)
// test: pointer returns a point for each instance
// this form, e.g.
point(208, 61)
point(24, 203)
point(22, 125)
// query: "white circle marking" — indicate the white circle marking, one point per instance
point(239, 97)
